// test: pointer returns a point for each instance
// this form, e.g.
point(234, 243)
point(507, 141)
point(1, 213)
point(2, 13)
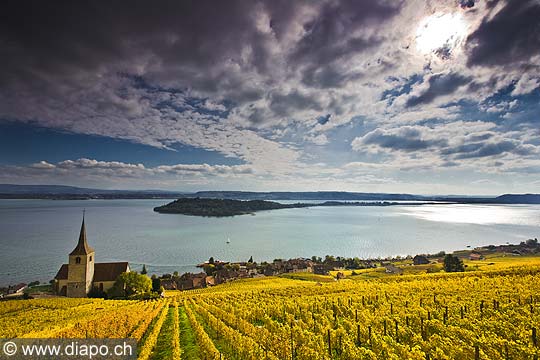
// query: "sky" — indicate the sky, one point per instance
point(426, 97)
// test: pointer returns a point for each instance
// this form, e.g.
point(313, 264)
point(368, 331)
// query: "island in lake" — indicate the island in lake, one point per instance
point(228, 207)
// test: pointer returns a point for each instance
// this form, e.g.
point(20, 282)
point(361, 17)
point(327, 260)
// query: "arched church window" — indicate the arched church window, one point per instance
point(90, 258)
point(77, 260)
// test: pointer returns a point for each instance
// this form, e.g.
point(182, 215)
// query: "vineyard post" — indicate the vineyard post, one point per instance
point(534, 336)
point(369, 335)
point(329, 345)
point(461, 312)
point(358, 335)
point(384, 323)
point(391, 309)
point(397, 336)
point(476, 352)
point(292, 342)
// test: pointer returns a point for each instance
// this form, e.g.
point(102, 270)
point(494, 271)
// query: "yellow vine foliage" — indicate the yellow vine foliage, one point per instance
point(473, 315)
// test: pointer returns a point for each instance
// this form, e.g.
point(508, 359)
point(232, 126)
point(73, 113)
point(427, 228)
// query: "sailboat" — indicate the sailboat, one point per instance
point(228, 240)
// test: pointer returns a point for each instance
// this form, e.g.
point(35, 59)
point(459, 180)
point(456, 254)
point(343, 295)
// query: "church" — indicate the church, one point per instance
point(82, 274)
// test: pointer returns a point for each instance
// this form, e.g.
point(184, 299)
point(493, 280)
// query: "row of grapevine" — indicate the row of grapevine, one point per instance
point(206, 345)
point(150, 341)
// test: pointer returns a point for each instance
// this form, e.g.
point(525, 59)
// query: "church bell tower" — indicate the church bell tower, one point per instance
point(80, 267)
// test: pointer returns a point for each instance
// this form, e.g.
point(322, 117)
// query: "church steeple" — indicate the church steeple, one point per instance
point(82, 247)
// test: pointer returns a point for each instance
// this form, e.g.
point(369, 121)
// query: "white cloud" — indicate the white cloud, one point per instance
point(526, 84)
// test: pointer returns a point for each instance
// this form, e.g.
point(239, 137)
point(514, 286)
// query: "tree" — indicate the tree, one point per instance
point(453, 264)
point(209, 269)
point(156, 284)
point(130, 283)
point(143, 271)
point(250, 259)
point(211, 260)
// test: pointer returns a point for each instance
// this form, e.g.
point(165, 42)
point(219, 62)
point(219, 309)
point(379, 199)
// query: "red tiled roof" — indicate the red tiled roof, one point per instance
point(102, 271)
point(62, 274)
point(109, 271)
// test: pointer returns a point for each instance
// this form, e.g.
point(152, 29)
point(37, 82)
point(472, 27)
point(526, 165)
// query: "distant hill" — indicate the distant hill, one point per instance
point(12, 191)
point(518, 199)
point(304, 195)
point(47, 189)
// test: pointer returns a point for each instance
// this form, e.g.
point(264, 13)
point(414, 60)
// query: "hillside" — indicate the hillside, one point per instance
point(11, 191)
point(518, 199)
point(436, 316)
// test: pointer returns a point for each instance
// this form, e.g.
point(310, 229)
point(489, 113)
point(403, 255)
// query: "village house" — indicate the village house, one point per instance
point(420, 260)
point(475, 256)
point(81, 274)
point(322, 269)
point(169, 284)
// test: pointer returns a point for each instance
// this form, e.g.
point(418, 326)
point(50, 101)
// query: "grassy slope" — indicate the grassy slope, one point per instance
point(163, 349)
point(188, 341)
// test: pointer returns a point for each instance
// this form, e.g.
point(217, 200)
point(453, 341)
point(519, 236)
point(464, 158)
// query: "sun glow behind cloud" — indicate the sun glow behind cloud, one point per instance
point(440, 31)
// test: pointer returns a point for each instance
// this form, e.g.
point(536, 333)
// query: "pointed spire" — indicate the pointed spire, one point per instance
point(82, 247)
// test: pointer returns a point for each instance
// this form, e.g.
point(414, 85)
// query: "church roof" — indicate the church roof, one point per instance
point(62, 274)
point(102, 271)
point(109, 271)
point(82, 247)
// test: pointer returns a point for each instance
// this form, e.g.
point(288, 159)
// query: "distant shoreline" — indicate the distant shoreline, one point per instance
point(59, 192)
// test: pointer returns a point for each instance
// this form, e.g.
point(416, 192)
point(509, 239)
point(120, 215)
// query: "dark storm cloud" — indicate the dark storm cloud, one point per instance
point(284, 104)
point(235, 51)
point(405, 138)
point(330, 37)
point(438, 85)
point(487, 149)
point(511, 36)
point(181, 43)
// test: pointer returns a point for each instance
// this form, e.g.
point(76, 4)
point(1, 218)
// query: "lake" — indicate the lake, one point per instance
point(37, 235)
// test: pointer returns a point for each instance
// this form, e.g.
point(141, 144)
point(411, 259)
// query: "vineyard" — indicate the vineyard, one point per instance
point(474, 315)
